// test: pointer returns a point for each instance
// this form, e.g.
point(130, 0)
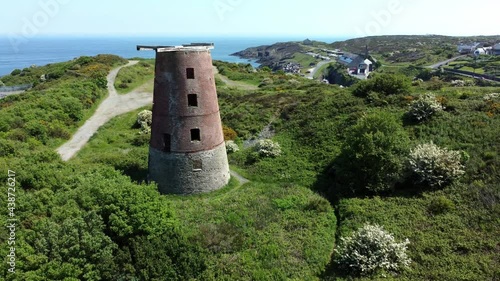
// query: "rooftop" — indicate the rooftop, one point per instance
point(183, 48)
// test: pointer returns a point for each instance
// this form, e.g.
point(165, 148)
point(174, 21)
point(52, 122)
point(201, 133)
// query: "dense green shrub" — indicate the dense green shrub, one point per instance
point(425, 74)
point(435, 166)
point(440, 205)
point(37, 129)
point(141, 139)
point(229, 134)
point(7, 147)
point(423, 108)
point(72, 107)
point(435, 84)
point(167, 257)
point(371, 249)
point(372, 156)
point(384, 84)
point(15, 72)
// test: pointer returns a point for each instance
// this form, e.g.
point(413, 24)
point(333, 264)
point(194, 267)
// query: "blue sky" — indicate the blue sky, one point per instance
point(258, 18)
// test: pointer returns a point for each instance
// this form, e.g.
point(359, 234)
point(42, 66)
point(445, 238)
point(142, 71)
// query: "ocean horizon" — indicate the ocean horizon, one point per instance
point(43, 50)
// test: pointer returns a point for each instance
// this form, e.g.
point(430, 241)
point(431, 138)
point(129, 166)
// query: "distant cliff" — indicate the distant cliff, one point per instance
point(271, 55)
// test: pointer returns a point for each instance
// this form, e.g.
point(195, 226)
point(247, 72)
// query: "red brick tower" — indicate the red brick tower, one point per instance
point(187, 152)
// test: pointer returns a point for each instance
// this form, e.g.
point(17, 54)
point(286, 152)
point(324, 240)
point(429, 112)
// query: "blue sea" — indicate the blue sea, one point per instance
point(44, 50)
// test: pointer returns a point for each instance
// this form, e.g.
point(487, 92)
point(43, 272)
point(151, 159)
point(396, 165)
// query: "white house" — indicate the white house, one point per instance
point(365, 67)
point(356, 64)
point(480, 51)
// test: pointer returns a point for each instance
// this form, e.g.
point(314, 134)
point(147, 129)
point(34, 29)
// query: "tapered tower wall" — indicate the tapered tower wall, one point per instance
point(187, 151)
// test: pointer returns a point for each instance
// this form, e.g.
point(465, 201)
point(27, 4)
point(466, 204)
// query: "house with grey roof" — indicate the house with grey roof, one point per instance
point(356, 64)
point(468, 48)
point(496, 49)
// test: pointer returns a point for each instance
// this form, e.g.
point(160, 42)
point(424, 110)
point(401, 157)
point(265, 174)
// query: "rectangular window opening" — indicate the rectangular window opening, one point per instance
point(193, 100)
point(190, 73)
point(167, 143)
point(195, 135)
point(197, 165)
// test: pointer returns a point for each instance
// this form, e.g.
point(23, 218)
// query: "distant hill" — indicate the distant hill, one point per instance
point(268, 55)
point(415, 49)
point(411, 48)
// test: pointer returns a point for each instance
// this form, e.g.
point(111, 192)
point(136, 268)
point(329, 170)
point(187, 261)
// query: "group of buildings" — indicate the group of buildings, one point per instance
point(478, 49)
point(356, 65)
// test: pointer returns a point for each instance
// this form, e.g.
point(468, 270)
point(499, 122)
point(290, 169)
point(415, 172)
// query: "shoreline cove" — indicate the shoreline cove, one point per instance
point(40, 51)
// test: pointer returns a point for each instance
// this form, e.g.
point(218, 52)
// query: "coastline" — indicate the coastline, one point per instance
point(53, 49)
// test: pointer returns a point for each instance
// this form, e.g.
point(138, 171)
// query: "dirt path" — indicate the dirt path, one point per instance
point(115, 105)
point(112, 106)
point(439, 64)
point(316, 68)
point(231, 83)
point(239, 177)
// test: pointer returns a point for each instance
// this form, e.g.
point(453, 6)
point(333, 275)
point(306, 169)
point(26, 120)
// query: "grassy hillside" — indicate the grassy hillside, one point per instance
point(417, 50)
point(92, 219)
point(132, 77)
point(453, 229)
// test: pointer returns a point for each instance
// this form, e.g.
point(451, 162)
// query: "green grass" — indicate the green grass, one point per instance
point(129, 78)
point(241, 72)
point(303, 59)
point(255, 230)
point(277, 227)
point(270, 231)
point(471, 69)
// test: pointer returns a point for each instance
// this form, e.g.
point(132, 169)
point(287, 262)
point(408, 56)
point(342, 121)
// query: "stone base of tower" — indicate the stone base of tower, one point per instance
point(189, 173)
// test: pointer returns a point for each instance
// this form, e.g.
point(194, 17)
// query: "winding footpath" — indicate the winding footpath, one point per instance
point(235, 84)
point(316, 69)
point(439, 64)
point(112, 106)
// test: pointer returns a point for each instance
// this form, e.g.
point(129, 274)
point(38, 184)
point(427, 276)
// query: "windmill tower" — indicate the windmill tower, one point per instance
point(187, 152)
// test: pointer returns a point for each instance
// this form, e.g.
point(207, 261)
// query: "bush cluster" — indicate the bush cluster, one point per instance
point(372, 158)
point(145, 119)
point(434, 165)
point(384, 84)
point(462, 83)
point(268, 148)
point(440, 205)
point(231, 147)
point(371, 249)
point(423, 108)
point(229, 134)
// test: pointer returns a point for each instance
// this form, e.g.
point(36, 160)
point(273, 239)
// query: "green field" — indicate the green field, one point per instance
point(343, 163)
point(129, 78)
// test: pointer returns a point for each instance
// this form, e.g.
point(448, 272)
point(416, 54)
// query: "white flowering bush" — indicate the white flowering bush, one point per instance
point(491, 97)
point(434, 165)
point(458, 83)
point(145, 119)
point(424, 107)
point(268, 148)
point(231, 147)
point(371, 249)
